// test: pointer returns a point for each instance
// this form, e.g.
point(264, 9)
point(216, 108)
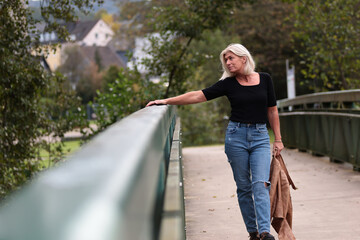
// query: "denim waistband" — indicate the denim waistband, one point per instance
point(248, 125)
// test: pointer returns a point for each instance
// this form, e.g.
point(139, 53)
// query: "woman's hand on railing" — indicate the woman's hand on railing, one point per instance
point(183, 99)
point(156, 102)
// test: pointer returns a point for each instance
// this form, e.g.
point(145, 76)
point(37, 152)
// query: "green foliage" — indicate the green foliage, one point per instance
point(21, 83)
point(172, 62)
point(204, 123)
point(265, 29)
point(90, 82)
point(168, 61)
point(47, 157)
point(73, 67)
point(185, 50)
point(55, 12)
point(109, 77)
point(85, 78)
point(127, 94)
point(178, 23)
point(34, 105)
point(98, 60)
point(186, 53)
point(328, 36)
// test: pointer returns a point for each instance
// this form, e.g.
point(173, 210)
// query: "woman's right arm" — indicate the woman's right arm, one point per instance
point(184, 99)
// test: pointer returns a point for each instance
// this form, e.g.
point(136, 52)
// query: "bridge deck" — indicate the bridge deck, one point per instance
point(326, 205)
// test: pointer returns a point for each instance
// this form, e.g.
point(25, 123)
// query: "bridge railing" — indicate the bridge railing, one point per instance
point(324, 123)
point(126, 183)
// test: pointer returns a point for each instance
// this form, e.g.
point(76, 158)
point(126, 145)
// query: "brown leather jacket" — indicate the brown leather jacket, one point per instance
point(280, 199)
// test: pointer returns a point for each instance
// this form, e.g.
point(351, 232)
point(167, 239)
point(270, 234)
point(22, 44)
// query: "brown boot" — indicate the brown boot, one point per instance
point(254, 236)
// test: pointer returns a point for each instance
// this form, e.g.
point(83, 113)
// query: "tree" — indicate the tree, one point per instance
point(174, 26)
point(265, 28)
point(110, 77)
point(177, 24)
point(83, 76)
point(73, 66)
point(27, 91)
point(90, 82)
point(136, 15)
point(123, 95)
point(98, 60)
point(204, 123)
point(328, 32)
point(184, 52)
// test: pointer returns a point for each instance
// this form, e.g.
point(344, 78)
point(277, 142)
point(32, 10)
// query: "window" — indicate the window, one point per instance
point(96, 35)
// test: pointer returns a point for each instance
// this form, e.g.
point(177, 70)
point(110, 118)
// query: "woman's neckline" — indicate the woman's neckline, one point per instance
point(253, 85)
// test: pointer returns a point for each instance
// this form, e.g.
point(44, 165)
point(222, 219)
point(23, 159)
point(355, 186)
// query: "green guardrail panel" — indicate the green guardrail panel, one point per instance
point(327, 133)
point(105, 191)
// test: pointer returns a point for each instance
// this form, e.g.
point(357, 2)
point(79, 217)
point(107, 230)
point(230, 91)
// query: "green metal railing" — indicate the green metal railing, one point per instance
point(324, 123)
point(173, 217)
point(126, 183)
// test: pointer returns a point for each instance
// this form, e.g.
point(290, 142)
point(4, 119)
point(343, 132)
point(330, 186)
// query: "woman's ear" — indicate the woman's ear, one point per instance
point(244, 59)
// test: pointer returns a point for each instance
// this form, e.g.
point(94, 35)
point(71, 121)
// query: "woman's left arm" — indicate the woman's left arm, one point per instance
point(273, 116)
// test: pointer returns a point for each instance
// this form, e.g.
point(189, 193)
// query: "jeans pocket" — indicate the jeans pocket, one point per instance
point(231, 130)
point(262, 129)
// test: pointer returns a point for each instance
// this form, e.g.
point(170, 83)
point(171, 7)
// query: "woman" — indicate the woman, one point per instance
point(247, 144)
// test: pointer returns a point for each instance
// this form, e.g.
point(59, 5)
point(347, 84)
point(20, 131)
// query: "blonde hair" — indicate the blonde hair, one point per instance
point(240, 51)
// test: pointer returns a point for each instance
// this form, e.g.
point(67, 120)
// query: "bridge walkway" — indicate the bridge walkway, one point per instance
point(326, 204)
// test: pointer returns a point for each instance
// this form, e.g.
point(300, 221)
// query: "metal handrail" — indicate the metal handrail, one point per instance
point(324, 123)
point(299, 113)
point(111, 188)
point(323, 97)
point(173, 218)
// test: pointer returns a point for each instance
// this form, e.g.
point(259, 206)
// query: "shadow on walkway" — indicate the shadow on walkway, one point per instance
point(326, 205)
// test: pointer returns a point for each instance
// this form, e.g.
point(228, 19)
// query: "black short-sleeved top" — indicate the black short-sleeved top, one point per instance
point(248, 103)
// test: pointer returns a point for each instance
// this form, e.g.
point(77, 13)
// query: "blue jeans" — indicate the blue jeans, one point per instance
point(247, 147)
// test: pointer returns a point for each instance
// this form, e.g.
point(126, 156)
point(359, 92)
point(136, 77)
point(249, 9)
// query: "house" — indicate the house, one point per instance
point(83, 33)
point(52, 58)
point(90, 33)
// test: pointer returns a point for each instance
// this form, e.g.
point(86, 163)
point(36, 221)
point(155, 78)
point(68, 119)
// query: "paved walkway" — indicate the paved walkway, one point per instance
point(326, 205)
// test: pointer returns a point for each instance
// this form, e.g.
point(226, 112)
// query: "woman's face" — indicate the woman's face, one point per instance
point(234, 63)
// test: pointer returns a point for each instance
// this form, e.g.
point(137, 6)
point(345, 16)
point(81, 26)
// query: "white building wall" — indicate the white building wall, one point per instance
point(100, 35)
point(139, 54)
